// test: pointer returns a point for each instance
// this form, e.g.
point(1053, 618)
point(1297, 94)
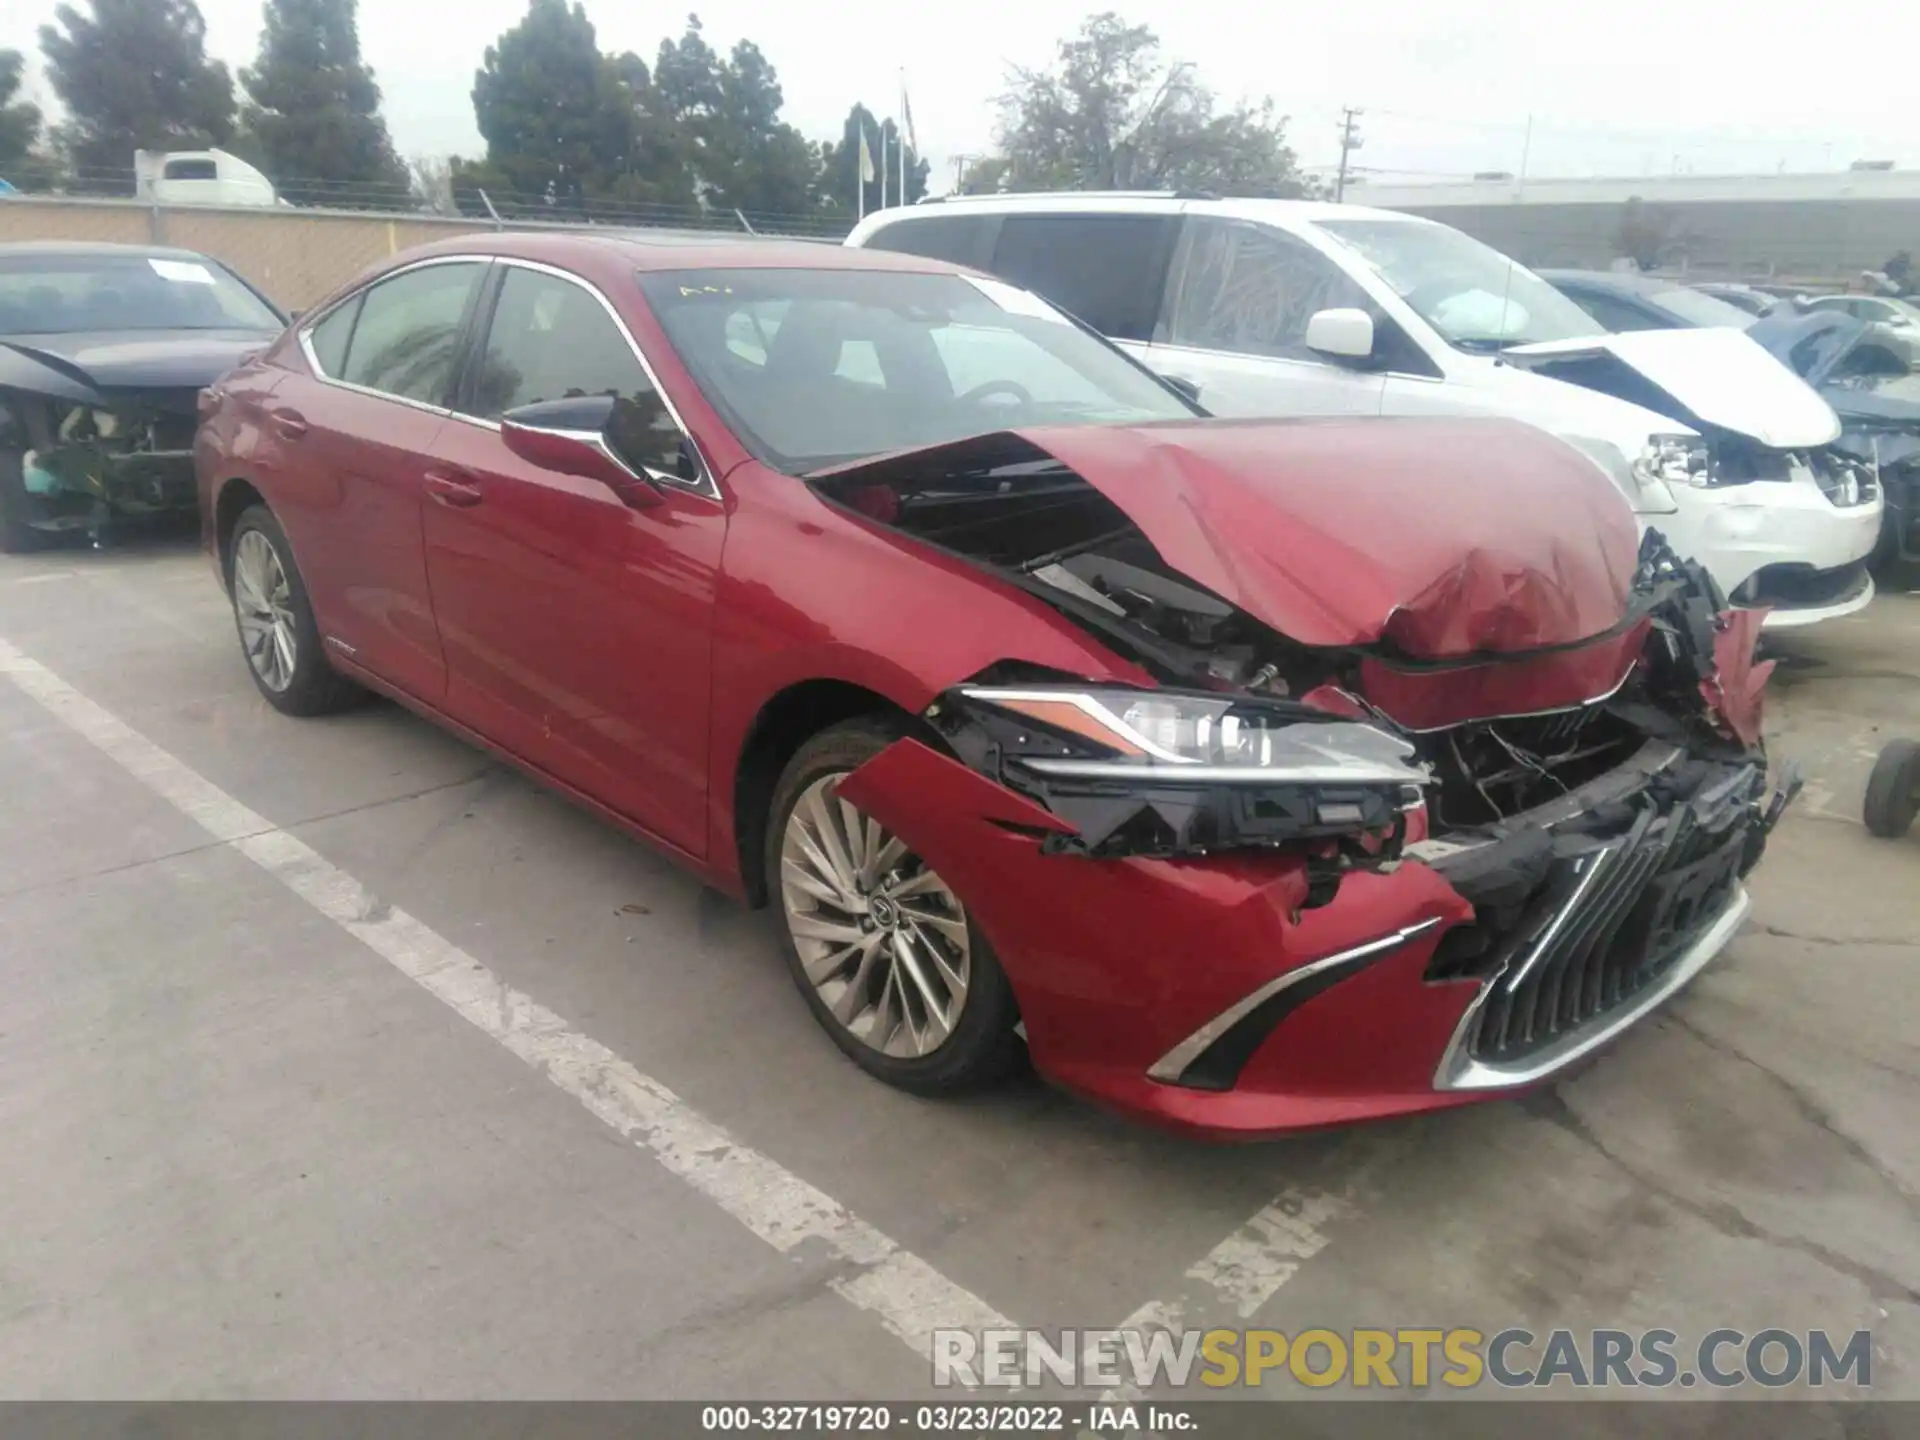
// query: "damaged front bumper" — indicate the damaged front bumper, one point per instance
point(70, 484)
point(1206, 992)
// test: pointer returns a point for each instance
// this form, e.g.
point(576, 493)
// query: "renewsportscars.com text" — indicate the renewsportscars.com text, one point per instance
point(1392, 1359)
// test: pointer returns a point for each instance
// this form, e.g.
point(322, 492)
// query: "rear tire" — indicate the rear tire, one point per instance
point(949, 1028)
point(1893, 790)
point(279, 638)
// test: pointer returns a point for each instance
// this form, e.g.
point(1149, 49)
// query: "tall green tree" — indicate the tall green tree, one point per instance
point(314, 108)
point(566, 125)
point(19, 121)
point(727, 113)
point(134, 74)
point(1113, 114)
point(842, 166)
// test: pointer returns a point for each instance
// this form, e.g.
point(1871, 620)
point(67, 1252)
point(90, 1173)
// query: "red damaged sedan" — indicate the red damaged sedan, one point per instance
point(1253, 775)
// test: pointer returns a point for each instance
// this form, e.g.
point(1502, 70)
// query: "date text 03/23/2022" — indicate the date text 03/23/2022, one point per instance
point(958, 1419)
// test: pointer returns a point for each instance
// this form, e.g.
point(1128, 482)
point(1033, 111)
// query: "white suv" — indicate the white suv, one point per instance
point(1281, 307)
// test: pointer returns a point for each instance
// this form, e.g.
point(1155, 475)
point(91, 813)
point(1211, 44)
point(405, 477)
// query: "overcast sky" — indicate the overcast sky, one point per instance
point(1633, 88)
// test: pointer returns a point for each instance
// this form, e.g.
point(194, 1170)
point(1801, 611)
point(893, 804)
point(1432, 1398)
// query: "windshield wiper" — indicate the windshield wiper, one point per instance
point(1482, 344)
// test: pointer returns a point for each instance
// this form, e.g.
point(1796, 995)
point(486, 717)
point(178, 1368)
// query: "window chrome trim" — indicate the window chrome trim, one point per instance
point(304, 332)
point(1171, 1066)
point(704, 486)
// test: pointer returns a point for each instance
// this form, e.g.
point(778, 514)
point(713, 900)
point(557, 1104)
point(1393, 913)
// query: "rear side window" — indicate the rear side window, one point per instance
point(329, 338)
point(1108, 270)
point(962, 239)
point(408, 333)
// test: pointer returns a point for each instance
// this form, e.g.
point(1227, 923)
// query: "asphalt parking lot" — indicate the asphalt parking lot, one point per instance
point(338, 1060)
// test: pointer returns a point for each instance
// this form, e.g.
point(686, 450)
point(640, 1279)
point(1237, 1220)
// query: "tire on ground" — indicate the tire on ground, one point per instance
point(316, 687)
point(983, 1048)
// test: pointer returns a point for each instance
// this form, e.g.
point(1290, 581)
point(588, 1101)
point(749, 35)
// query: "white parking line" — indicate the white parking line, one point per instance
point(1245, 1270)
point(902, 1291)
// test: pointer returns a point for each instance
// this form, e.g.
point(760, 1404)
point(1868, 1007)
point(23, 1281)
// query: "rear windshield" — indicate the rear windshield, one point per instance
point(816, 367)
point(65, 294)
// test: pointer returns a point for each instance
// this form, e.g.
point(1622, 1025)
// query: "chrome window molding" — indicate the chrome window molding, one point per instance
point(1171, 1066)
point(705, 485)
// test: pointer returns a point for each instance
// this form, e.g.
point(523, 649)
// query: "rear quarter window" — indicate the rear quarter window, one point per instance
point(1109, 270)
point(962, 239)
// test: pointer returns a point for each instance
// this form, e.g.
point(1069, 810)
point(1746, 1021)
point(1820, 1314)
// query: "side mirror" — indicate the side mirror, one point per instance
point(1188, 388)
point(1341, 334)
point(570, 438)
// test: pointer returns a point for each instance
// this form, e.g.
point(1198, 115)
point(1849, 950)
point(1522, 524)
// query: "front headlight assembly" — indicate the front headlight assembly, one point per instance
point(1167, 772)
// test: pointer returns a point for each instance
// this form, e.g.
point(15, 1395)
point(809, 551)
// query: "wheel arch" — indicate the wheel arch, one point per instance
point(235, 497)
point(789, 718)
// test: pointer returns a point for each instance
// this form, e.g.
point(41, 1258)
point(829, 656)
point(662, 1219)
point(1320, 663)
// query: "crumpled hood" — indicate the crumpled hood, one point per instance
point(1443, 538)
point(140, 359)
point(1714, 375)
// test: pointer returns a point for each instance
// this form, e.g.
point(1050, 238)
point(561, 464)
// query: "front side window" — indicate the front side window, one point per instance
point(1473, 296)
point(407, 335)
point(552, 339)
point(1251, 289)
point(816, 367)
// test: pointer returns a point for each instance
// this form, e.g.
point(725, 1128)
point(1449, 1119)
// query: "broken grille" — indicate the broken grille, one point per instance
point(1612, 919)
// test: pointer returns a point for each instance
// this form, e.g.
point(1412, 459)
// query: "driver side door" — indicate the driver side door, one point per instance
point(577, 630)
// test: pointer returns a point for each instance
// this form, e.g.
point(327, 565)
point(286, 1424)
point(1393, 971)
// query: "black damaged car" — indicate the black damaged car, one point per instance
point(104, 350)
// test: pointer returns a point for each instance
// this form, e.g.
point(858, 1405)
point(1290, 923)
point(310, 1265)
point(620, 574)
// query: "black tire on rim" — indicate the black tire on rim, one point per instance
point(883, 950)
point(1893, 790)
point(278, 637)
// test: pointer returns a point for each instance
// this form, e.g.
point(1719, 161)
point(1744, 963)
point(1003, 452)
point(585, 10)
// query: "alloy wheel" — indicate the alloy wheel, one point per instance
point(263, 604)
point(881, 937)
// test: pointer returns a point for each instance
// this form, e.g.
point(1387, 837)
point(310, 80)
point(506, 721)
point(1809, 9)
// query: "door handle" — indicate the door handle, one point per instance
point(451, 490)
point(290, 424)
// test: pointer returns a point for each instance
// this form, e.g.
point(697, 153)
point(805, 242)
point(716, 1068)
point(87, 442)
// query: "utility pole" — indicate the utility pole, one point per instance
point(1349, 142)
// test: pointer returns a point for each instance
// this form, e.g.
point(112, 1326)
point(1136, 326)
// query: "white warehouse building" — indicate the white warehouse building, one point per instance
point(1819, 226)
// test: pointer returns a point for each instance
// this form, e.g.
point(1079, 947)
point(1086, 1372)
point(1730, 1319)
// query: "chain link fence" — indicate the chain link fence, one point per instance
point(299, 252)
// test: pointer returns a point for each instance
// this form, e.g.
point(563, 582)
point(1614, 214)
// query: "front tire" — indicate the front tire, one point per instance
point(890, 963)
point(278, 635)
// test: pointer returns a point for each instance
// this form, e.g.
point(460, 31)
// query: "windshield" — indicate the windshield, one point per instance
point(1697, 308)
point(815, 367)
point(65, 294)
point(1475, 297)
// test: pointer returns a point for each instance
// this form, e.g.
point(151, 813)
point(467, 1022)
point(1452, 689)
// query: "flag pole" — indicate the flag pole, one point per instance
point(906, 132)
point(883, 164)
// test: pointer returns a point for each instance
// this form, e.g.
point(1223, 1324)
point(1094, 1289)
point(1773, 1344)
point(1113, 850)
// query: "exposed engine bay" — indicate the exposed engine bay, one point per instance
point(80, 463)
point(1335, 771)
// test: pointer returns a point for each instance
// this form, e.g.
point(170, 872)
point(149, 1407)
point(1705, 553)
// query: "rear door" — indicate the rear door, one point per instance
point(350, 446)
point(1236, 323)
point(577, 630)
point(1109, 270)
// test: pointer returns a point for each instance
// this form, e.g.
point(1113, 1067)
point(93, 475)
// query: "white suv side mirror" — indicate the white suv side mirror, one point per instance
point(1346, 334)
